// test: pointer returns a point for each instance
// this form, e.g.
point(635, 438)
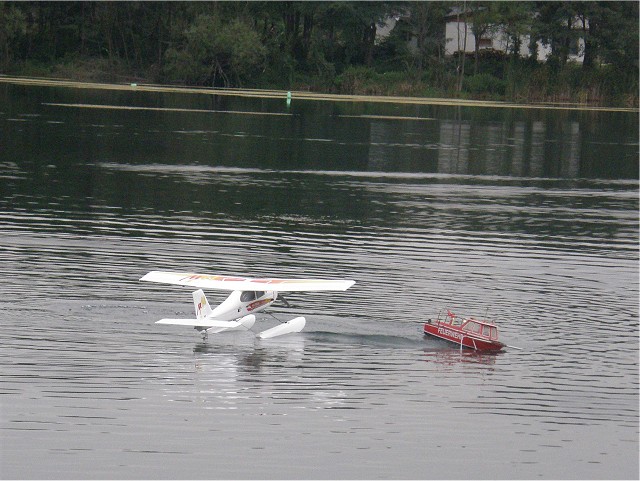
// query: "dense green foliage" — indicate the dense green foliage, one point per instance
point(329, 46)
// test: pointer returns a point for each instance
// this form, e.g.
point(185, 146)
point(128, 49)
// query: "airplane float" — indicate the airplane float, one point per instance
point(248, 296)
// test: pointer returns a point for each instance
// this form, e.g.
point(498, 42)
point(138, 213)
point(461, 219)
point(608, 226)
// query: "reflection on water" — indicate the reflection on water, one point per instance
point(525, 218)
point(136, 128)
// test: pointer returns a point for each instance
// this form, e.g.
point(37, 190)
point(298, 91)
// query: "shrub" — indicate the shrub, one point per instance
point(356, 80)
point(214, 53)
point(484, 83)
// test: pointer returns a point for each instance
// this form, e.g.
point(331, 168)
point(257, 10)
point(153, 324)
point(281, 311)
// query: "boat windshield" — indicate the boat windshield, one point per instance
point(472, 326)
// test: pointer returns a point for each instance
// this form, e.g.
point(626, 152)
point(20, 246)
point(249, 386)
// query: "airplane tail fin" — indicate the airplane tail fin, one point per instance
point(203, 309)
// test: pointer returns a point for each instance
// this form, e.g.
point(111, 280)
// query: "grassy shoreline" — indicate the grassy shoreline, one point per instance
point(303, 95)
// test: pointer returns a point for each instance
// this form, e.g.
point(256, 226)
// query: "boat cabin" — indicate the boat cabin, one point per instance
point(481, 329)
point(473, 326)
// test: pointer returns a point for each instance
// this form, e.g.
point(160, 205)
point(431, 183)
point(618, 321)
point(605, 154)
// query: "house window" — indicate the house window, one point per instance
point(485, 43)
point(574, 47)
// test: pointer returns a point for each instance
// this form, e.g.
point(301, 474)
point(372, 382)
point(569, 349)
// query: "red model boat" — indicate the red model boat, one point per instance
point(471, 333)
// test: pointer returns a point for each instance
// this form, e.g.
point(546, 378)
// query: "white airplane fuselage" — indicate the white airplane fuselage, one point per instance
point(242, 303)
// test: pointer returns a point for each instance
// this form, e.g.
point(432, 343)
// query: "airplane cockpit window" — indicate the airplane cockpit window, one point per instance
point(247, 296)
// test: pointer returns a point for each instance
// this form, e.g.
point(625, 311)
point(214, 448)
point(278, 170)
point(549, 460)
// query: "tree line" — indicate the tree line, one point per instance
point(331, 46)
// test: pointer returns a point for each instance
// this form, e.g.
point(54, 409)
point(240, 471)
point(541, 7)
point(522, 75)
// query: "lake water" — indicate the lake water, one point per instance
point(528, 217)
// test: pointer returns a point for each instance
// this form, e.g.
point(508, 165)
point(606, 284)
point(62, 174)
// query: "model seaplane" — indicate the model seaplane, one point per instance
point(248, 296)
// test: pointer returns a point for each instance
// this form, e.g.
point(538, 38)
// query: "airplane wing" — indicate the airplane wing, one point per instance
point(231, 283)
point(200, 323)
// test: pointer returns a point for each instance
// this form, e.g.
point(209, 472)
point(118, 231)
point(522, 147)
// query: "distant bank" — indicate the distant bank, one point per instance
point(303, 95)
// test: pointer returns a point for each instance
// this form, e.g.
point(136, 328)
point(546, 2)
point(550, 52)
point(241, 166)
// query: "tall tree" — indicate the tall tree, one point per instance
point(484, 17)
point(616, 33)
point(13, 26)
point(426, 20)
point(553, 24)
point(462, 15)
point(516, 19)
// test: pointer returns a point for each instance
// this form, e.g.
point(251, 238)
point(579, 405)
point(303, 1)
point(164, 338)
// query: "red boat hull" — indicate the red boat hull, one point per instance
point(461, 338)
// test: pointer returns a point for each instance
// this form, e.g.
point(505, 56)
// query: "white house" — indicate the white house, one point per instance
point(459, 37)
